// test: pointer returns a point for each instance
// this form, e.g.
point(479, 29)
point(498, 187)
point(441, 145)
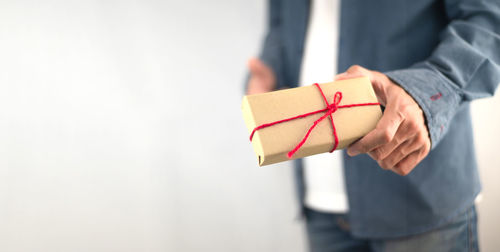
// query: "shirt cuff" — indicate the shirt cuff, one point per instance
point(433, 93)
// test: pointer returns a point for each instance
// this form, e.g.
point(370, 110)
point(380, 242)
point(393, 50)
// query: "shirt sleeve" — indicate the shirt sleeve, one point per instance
point(272, 49)
point(464, 66)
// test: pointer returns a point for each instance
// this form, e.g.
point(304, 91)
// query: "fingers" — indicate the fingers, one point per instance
point(377, 79)
point(394, 153)
point(404, 134)
point(383, 151)
point(354, 71)
point(262, 77)
point(402, 151)
point(405, 150)
point(383, 133)
point(258, 68)
point(406, 165)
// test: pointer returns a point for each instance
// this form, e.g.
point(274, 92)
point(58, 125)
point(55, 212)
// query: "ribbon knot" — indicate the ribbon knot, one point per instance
point(328, 111)
point(332, 107)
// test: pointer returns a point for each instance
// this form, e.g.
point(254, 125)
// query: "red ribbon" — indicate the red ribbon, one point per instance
point(328, 111)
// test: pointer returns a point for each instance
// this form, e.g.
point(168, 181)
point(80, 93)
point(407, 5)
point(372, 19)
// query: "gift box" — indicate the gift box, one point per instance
point(304, 121)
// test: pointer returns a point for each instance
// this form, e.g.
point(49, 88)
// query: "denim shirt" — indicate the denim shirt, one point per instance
point(444, 53)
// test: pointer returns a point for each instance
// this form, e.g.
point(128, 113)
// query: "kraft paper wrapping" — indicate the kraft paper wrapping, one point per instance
point(272, 144)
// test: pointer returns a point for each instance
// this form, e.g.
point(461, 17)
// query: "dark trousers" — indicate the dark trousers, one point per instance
point(330, 232)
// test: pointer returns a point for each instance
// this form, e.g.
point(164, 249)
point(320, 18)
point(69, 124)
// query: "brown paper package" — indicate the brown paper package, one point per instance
point(272, 144)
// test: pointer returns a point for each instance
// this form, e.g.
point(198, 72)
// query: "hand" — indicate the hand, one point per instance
point(401, 139)
point(262, 78)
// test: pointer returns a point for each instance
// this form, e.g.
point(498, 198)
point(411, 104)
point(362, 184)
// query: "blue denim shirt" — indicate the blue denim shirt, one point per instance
point(444, 53)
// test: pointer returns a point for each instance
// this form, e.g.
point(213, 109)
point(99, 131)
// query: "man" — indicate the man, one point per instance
point(412, 181)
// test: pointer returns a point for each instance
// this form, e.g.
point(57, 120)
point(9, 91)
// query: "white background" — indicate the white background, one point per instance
point(120, 130)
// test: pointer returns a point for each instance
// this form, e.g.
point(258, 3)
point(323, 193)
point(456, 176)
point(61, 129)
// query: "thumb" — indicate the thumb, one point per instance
point(258, 68)
point(377, 79)
point(354, 71)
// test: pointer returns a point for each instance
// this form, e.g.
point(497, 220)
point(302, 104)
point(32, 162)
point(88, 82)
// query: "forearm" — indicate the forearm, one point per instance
point(464, 66)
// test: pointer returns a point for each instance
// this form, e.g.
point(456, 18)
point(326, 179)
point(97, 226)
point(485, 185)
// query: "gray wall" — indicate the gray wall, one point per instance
point(120, 130)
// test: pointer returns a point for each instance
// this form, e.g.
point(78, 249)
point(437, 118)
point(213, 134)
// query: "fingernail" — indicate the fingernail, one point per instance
point(352, 152)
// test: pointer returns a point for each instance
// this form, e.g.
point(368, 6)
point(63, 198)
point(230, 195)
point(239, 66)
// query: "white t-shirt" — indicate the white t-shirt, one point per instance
point(323, 174)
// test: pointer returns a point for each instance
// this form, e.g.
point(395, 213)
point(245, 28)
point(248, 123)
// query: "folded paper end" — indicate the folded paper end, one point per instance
point(355, 117)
